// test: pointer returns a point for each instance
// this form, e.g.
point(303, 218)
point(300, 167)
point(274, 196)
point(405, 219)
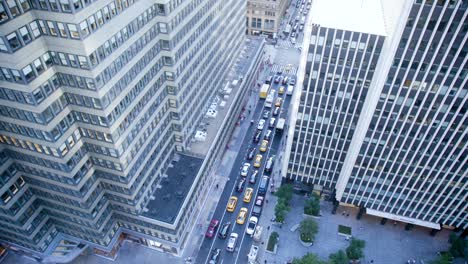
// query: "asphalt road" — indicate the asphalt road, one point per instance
point(244, 241)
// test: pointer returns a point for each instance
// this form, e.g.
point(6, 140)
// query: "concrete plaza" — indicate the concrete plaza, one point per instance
point(385, 244)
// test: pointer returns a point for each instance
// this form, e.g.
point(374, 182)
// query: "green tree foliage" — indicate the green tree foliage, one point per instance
point(308, 228)
point(312, 206)
point(355, 249)
point(281, 209)
point(309, 258)
point(459, 246)
point(338, 258)
point(285, 192)
point(442, 259)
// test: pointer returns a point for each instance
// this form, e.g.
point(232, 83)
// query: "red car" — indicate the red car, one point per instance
point(212, 228)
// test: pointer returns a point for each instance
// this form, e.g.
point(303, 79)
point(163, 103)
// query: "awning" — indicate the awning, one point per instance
point(403, 219)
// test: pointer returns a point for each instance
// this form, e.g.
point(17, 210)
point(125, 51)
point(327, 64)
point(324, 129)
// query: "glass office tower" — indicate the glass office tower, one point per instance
point(95, 99)
point(394, 145)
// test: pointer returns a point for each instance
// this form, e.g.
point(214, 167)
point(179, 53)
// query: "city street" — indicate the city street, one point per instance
point(284, 58)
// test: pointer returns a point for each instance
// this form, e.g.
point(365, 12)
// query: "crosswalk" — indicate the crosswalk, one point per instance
point(286, 69)
point(286, 43)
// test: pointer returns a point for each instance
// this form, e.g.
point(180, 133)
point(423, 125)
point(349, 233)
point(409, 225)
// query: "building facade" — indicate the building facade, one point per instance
point(395, 147)
point(96, 97)
point(264, 16)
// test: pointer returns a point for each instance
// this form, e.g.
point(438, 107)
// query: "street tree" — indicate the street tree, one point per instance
point(308, 228)
point(355, 249)
point(338, 258)
point(309, 258)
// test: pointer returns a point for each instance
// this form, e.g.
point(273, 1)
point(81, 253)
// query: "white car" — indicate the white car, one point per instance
point(293, 40)
point(245, 170)
point(232, 242)
point(251, 226)
point(261, 124)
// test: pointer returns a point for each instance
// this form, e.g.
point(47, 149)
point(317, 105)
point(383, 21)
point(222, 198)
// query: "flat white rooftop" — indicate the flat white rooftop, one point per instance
point(365, 16)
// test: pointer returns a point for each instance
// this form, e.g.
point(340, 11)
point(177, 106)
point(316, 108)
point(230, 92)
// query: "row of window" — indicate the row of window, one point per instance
point(12, 190)
point(26, 34)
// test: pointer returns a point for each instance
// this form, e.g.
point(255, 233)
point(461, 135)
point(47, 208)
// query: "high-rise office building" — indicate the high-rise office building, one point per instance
point(96, 97)
point(264, 16)
point(380, 116)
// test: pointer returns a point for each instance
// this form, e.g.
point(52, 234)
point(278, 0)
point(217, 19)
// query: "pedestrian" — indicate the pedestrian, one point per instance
point(266, 200)
point(217, 186)
point(268, 228)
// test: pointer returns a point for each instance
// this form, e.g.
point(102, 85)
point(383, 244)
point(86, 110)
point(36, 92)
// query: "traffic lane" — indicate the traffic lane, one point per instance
point(220, 212)
point(232, 217)
point(205, 251)
point(244, 248)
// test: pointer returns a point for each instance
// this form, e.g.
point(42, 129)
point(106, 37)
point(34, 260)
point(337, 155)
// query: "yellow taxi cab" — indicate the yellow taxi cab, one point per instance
point(248, 195)
point(281, 90)
point(278, 102)
point(258, 161)
point(231, 204)
point(242, 215)
point(264, 146)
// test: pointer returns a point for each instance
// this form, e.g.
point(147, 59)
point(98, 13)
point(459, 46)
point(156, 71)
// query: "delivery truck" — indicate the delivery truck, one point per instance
point(264, 91)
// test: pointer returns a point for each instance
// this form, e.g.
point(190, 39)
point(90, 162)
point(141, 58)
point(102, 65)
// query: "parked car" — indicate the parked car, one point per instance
point(258, 161)
point(264, 146)
point(232, 242)
point(257, 136)
point(269, 164)
point(292, 81)
point(215, 256)
point(268, 135)
point(245, 170)
point(212, 228)
point(251, 226)
point(276, 111)
point(251, 154)
point(277, 79)
point(248, 195)
point(261, 124)
point(259, 200)
point(242, 216)
point(240, 185)
point(224, 230)
point(253, 177)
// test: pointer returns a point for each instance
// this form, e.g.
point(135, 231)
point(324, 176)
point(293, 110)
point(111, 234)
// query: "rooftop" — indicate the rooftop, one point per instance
point(226, 94)
point(166, 201)
point(364, 16)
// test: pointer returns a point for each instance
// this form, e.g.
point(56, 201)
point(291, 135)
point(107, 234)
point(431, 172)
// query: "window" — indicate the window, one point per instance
point(83, 62)
point(3, 46)
point(65, 6)
point(53, 5)
point(35, 29)
point(63, 32)
point(99, 18)
point(3, 14)
point(92, 22)
point(38, 66)
point(47, 60)
point(28, 73)
point(13, 41)
point(84, 28)
point(52, 29)
point(6, 197)
point(25, 5)
point(72, 60)
point(25, 34)
point(14, 10)
point(73, 31)
point(76, 4)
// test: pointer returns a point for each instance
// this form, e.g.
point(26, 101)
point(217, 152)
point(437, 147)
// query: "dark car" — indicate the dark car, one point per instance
point(276, 111)
point(292, 81)
point(266, 114)
point(240, 185)
point(215, 253)
point(215, 256)
point(212, 228)
point(224, 230)
point(279, 72)
point(253, 177)
point(251, 154)
point(268, 135)
point(285, 80)
point(269, 80)
point(277, 79)
point(257, 136)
